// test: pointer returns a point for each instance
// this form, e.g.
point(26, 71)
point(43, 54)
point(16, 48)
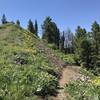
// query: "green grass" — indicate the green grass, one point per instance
point(68, 58)
point(84, 90)
point(25, 72)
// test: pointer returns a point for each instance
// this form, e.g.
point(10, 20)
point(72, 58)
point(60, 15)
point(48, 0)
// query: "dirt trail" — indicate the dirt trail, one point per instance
point(68, 74)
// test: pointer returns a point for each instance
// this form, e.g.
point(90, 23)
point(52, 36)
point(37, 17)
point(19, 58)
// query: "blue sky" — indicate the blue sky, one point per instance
point(66, 13)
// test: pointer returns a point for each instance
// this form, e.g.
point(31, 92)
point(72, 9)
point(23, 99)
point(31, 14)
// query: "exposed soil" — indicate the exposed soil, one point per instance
point(68, 74)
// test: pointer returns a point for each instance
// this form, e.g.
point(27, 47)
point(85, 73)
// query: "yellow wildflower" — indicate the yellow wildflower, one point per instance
point(96, 81)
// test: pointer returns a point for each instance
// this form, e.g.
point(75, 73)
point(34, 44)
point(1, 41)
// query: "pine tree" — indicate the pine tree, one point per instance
point(31, 26)
point(4, 20)
point(47, 33)
point(95, 36)
point(51, 32)
point(57, 38)
point(85, 54)
point(18, 23)
point(36, 28)
point(80, 35)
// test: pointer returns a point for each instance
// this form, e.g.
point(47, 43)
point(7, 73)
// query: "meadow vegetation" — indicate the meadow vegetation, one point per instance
point(30, 67)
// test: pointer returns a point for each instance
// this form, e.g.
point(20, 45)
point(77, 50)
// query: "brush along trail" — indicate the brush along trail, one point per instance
point(69, 73)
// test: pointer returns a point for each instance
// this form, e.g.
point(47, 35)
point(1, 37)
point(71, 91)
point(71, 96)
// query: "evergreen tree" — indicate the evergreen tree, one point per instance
point(4, 20)
point(18, 23)
point(95, 36)
point(85, 54)
point(51, 32)
point(31, 26)
point(80, 35)
point(57, 38)
point(36, 28)
point(87, 47)
point(46, 29)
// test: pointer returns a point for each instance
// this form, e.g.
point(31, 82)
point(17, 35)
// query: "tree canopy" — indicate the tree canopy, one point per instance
point(50, 31)
point(31, 26)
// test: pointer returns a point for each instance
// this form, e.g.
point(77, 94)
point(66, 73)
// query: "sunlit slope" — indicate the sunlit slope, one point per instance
point(27, 67)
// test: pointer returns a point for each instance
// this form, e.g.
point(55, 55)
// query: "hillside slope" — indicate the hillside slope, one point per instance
point(27, 67)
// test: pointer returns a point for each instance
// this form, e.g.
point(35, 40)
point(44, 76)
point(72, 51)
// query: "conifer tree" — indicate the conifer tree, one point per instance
point(31, 26)
point(18, 23)
point(80, 35)
point(95, 36)
point(51, 32)
point(85, 54)
point(4, 20)
point(36, 28)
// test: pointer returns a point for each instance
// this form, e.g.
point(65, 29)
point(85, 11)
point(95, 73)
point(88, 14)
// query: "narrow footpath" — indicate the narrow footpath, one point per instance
point(68, 74)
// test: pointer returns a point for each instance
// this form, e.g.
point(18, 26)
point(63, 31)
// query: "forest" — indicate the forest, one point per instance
point(59, 65)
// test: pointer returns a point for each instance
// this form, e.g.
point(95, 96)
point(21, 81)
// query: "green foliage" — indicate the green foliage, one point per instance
point(51, 32)
point(86, 87)
point(4, 20)
point(86, 53)
point(18, 23)
point(52, 46)
point(80, 36)
point(31, 26)
point(25, 72)
point(36, 28)
point(87, 48)
point(68, 58)
point(95, 39)
point(88, 73)
point(83, 91)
